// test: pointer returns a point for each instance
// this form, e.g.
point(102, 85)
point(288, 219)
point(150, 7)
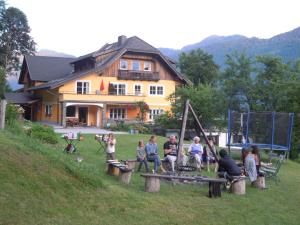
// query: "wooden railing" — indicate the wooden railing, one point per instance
point(138, 75)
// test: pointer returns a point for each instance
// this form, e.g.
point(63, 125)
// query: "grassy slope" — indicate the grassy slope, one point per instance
point(41, 185)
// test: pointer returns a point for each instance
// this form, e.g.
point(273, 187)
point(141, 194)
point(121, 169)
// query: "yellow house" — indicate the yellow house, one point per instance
point(99, 88)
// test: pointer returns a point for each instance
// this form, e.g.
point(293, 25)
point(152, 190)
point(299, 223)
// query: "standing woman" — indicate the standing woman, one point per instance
point(152, 153)
point(111, 147)
point(196, 151)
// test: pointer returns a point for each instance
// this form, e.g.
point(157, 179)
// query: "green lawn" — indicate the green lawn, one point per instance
point(41, 185)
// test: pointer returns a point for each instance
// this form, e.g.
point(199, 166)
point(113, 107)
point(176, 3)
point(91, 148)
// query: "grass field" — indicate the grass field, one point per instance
point(39, 184)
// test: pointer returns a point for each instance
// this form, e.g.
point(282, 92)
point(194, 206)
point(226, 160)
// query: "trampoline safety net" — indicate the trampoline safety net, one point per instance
point(267, 130)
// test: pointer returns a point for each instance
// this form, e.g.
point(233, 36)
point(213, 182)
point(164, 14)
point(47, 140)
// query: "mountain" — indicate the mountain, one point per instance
point(285, 45)
point(47, 52)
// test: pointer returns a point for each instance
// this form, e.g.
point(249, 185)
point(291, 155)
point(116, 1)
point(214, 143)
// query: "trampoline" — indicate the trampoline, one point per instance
point(266, 130)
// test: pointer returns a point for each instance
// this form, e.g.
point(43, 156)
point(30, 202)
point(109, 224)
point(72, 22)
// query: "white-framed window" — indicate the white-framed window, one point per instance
point(154, 113)
point(156, 90)
point(123, 64)
point(147, 66)
point(117, 113)
point(137, 89)
point(83, 87)
point(135, 65)
point(117, 89)
point(48, 110)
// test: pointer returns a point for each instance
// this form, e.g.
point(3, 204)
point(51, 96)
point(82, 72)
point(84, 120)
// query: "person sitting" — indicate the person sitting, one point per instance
point(227, 166)
point(111, 147)
point(152, 153)
point(141, 156)
point(170, 151)
point(196, 151)
point(250, 165)
point(245, 152)
point(255, 152)
point(208, 156)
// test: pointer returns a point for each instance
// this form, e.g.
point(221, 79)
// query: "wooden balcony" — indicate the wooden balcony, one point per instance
point(138, 75)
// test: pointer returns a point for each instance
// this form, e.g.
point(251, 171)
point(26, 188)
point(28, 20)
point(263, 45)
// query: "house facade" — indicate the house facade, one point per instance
point(99, 88)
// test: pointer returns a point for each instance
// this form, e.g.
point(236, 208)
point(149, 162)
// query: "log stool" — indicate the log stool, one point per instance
point(238, 186)
point(152, 184)
point(260, 182)
point(125, 176)
point(112, 170)
point(130, 163)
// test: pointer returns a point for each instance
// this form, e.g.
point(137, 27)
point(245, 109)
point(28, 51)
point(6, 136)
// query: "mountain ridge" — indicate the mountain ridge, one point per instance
point(285, 45)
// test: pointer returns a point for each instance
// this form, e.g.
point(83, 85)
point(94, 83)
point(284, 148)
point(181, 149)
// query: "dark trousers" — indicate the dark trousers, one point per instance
point(143, 161)
point(110, 156)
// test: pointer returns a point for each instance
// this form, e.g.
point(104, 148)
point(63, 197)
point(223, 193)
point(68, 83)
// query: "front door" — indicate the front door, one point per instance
point(82, 114)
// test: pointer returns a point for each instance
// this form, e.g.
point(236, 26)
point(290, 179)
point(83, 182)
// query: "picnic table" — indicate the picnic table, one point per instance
point(152, 182)
point(116, 168)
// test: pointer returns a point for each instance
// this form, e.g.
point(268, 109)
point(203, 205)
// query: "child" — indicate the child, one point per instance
point(111, 147)
point(141, 156)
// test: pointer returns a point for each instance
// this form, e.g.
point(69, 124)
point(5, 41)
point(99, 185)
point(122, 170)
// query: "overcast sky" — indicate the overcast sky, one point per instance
point(79, 27)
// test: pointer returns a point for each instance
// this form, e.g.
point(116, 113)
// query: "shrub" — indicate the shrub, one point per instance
point(167, 121)
point(11, 114)
point(142, 128)
point(44, 133)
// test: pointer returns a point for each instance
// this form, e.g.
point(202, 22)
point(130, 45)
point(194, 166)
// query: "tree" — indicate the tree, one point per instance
point(271, 83)
point(14, 38)
point(199, 67)
point(14, 42)
point(205, 100)
point(237, 83)
point(143, 109)
point(3, 83)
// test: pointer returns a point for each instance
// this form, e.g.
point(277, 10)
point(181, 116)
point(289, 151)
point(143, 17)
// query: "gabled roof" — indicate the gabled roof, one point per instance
point(117, 49)
point(46, 68)
point(20, 97)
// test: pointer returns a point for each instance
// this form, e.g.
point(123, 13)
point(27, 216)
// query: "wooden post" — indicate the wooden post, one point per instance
point(104, 116)
point(214, 190)
point(202, 131)
point(125, 176)
point(152, 184)
point(238, 187)
point(2, 114)
point(182, 131)
point(63, 114)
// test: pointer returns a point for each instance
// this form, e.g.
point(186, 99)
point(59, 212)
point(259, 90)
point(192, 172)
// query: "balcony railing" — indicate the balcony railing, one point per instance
point(138, 75)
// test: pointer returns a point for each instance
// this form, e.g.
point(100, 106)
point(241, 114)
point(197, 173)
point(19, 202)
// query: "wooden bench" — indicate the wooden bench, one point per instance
point(115, 168)
point(152, 182)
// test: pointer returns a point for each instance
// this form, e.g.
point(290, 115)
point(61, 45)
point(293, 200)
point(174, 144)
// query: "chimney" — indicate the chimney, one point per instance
point(121, 39)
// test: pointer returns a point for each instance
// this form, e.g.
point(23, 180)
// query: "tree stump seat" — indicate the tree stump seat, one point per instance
point(116, 168)
point(130, 163)
point(238, 185)
point(260, 182)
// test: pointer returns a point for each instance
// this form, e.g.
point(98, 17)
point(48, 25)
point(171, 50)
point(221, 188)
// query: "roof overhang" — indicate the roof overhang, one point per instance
point(21, 98)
